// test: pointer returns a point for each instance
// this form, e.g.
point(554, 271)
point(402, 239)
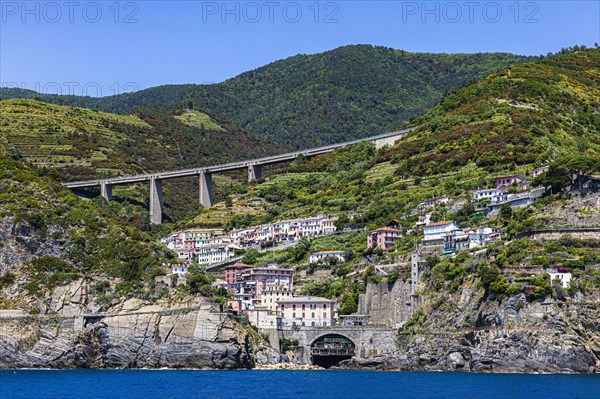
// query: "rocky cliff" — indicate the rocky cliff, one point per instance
point(135, 334)
point(474, 333)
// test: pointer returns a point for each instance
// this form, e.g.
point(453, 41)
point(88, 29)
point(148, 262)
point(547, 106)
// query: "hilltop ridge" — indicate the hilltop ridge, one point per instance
point(349, 92)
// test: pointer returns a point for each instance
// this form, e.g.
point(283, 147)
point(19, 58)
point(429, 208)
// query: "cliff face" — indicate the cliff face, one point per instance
point(474, 333)
point(134, 334)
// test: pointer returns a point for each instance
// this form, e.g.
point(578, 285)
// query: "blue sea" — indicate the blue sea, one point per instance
point(288, 384)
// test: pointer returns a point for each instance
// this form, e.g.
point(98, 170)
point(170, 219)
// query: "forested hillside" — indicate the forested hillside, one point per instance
point(512, 121)
point(309, 100)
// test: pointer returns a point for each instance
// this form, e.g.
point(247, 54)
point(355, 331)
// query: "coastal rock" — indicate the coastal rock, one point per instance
point(513, 335)
point(141, 336)
point(267, 356)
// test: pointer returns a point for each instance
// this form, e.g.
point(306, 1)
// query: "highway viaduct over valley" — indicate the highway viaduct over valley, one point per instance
point(254, 167)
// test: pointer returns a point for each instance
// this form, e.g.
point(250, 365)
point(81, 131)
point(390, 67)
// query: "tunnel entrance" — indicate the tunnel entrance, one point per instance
point(329, 350)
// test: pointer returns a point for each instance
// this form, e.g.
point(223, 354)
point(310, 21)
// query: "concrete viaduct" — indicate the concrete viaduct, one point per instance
point(254, 167)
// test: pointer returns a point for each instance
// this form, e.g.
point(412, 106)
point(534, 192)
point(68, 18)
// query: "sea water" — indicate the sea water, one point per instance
point(274, 384)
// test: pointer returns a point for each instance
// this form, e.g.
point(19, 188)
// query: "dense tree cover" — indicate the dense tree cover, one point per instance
point(310, 100)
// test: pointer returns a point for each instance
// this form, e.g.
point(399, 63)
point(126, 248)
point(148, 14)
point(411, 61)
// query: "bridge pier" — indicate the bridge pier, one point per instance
point(206, 189)
point(106, 191)
point(155, 200)
point(254, 172)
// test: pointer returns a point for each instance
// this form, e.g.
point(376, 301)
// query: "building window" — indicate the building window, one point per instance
point(294, 315)
point(303, 315)
point(293, 307)
point(313, 315)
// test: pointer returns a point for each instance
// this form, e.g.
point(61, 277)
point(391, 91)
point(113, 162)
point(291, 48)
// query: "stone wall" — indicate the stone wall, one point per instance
point(387, 305)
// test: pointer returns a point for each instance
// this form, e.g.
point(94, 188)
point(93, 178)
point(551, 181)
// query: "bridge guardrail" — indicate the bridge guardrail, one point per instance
point(231, 165)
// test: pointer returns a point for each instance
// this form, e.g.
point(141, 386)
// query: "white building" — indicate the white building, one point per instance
point(494, 194)
point(433, 202)
point(214, 254)
point(180, 270)
point(435, 233)
point(186, 255)
point(323, 255)
point(455, 241)
point(564, 278)
point(482, 236)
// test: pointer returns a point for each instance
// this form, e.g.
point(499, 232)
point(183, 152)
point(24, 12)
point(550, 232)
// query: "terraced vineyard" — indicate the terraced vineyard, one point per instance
point(81, 141)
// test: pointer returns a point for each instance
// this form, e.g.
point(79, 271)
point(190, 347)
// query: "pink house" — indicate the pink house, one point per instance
point(255, 280)
point(232, 272)
point(307, 311)
point(235, 306)
point(508, 180)
point(384, 238)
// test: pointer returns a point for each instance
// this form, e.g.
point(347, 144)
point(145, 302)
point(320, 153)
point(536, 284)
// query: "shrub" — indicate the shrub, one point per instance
point(7, 279)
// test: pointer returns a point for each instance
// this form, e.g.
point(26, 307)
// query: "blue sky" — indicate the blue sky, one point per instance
point(107, 47)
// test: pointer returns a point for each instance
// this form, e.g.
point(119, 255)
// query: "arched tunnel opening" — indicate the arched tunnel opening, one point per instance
point(329, 350)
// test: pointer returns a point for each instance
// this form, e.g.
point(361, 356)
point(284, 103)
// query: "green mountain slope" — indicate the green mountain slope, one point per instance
point(552, 104)
point(310, 100)
point(526, 114)
point(509, 122)
point(83, 144)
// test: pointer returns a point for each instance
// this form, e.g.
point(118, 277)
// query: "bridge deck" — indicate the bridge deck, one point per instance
point(230, 166)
